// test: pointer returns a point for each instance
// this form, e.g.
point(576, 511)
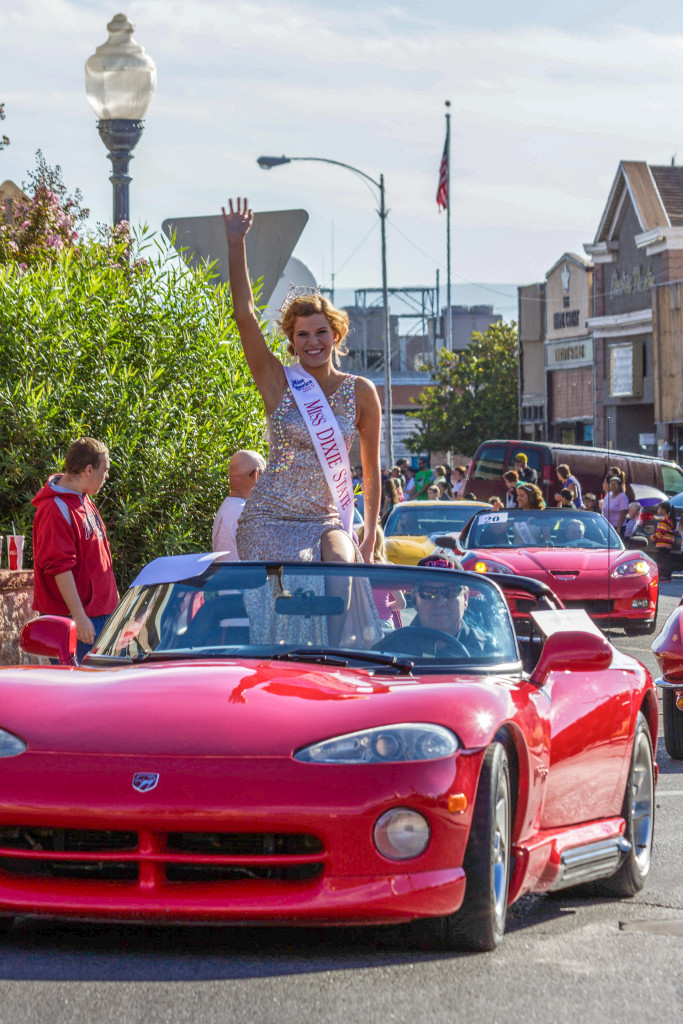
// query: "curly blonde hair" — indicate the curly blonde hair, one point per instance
point(309, 305)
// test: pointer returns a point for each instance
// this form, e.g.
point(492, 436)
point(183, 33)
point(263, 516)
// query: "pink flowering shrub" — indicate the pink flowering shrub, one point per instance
point(44, 224)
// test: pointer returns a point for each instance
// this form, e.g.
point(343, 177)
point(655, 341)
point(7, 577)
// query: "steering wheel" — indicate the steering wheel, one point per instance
point(582, 542)
point(411, 638)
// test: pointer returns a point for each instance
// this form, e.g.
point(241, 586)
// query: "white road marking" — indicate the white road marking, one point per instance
point(668, 792)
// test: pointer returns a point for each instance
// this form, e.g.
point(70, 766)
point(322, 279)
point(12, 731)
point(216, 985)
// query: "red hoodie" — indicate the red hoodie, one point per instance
point(69, 535)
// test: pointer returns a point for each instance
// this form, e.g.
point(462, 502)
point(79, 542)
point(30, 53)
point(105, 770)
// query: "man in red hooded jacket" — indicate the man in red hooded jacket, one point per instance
point(73, 573)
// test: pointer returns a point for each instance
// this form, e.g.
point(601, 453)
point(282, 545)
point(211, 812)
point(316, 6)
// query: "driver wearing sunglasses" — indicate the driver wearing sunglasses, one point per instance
point(442, 605)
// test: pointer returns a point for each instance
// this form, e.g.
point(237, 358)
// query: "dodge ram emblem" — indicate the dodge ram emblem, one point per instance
point(144, 781)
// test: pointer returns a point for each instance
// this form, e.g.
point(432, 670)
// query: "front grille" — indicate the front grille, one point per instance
point(152, 858)
point(66, 840)
point(249, 847)
point(219, 873)
point(91, 871)
point(596, 607)
point(240, 844)
point(40, 845)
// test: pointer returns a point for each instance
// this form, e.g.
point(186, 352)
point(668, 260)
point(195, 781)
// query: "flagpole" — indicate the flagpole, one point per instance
point(449, 317)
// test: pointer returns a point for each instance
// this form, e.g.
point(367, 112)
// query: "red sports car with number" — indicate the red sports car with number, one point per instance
point(576, 553)
point(322, 743)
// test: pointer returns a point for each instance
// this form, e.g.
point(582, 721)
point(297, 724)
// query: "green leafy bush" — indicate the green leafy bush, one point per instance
point(119, 341)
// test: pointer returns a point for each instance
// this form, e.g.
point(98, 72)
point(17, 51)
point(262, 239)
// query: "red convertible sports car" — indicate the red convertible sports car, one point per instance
point(576, 553)
point(322, 743)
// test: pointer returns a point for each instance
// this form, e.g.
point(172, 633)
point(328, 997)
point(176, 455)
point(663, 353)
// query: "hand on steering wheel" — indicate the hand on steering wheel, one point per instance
point(419, 640)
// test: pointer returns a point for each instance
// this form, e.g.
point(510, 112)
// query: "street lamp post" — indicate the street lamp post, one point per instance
point(267, 162)
point(120, 79)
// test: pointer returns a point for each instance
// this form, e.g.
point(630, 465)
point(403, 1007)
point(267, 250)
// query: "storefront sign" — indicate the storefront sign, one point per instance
point(631, 281)
point(568, 319)
point(626, 370)
point(402, 426)
point(569, 353)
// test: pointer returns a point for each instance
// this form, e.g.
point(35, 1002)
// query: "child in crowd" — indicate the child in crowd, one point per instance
point(511, 479)
point(388, 602)
point(457, 479)
point(590, 502)
point(663, 539)
point(495, 503)
point(565, 498)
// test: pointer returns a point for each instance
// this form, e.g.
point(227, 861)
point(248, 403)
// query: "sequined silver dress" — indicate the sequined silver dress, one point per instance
point(291, 505)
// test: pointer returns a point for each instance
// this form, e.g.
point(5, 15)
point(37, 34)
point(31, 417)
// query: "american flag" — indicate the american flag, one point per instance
point(442, 190)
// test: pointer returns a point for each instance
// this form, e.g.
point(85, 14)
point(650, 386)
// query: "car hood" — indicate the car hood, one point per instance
point(551, 564)
point(408, 550)
point(551, 559)
point(224, 708)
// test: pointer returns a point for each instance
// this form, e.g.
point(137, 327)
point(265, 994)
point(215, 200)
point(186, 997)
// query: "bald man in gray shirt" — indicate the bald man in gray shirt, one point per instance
point(243, 472)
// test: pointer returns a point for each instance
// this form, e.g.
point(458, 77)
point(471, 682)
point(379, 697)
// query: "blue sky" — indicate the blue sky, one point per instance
point(547, 98)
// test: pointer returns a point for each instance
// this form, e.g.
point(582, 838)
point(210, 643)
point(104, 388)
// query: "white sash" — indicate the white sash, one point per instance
point(327, 439)
point(525, 532)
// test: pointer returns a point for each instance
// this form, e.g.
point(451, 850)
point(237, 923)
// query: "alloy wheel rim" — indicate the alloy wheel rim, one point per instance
point(500, 849)
point(642, 801)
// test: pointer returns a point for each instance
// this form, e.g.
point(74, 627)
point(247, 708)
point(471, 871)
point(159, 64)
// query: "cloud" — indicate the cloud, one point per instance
point(540, 118)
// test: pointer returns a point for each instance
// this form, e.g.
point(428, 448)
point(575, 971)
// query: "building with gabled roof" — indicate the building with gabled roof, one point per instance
point(638, 345)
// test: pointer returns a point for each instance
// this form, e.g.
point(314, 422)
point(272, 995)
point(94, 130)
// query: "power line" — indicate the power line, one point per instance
point(359, 246)
point(465, 280)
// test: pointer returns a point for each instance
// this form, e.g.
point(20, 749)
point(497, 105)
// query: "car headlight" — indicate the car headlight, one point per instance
point(11, 745)
point(631, 568)
point(401, 833)
point(488, 565)
point(409, 741)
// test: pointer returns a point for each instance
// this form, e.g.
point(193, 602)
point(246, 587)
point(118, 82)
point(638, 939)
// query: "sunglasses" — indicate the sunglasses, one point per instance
point(439, 593)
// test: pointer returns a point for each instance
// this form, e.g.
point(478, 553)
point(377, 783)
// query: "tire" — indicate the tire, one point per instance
point(639, 813)
point(479, 925)
point(673, 725)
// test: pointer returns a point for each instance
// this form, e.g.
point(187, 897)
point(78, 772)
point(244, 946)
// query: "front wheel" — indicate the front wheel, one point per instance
point(673, 725)
point(480, 923)
point(639, 813)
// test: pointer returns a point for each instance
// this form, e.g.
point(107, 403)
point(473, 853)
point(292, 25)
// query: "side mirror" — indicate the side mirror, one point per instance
point(51, 636)
point(668, 647)
point(573, 650)
point(638, 543)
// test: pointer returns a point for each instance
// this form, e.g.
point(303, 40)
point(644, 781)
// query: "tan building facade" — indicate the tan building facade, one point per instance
point(568, 351)
point(531, 332)
point(638, 256)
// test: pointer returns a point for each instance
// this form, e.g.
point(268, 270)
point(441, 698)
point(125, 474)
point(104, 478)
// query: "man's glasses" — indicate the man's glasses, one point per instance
point(439, 593)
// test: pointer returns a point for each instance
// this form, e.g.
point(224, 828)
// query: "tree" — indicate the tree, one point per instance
point(115, 338)
point(4, 141)
point(475, 395)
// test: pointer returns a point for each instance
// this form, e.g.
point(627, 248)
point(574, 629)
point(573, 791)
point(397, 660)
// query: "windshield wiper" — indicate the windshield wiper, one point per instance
point(340, 657)
point(184, 654)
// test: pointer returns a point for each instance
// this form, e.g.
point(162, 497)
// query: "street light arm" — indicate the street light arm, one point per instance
point(338, 163)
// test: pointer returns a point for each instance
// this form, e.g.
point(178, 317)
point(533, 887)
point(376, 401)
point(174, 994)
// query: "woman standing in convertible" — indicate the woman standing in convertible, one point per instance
point(299, 509)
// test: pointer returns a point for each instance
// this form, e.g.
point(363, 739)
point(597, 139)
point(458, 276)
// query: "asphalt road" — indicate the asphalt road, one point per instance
point(563, 958)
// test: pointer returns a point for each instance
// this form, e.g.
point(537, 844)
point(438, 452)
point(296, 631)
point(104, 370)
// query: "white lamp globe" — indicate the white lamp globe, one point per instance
point(120, 78)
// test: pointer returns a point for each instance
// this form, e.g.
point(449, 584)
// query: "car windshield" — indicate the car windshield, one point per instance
point(424, 520)
point(542, 528)
point(383, 618)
